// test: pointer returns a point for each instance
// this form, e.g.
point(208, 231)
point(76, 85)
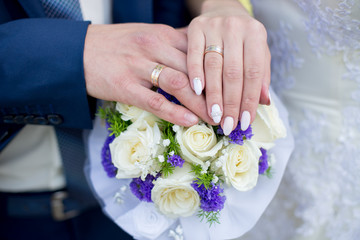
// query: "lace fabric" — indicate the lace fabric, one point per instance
point(315, 48)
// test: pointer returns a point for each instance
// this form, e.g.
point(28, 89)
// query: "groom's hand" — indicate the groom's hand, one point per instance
point(118, 64)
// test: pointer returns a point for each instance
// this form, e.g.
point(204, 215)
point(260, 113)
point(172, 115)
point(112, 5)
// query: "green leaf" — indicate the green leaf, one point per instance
point(211, 217)
point(269, 172)
point(113, 117)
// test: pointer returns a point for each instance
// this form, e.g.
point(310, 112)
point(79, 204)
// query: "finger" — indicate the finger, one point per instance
point(168, 55)
point(195, 59)
point(213, 67)
point(177, 84)
point(232, 81)
point(254, 71)
point(177, 39)
point(264, 96)
point(157, 104)
point(183, 29)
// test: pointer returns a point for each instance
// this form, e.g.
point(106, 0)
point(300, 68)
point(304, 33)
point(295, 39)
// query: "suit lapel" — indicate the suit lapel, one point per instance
point(33, 8)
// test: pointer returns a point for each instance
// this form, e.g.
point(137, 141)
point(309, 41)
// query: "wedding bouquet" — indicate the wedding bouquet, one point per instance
point(183, 170)
point(146, 192)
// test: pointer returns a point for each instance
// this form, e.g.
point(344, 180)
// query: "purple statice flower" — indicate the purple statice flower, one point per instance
point(212, 199)
point(142, 189)
point(263, 161)
point(176, 161)
point(169, 97)
point(106, 161)
point(237, 136)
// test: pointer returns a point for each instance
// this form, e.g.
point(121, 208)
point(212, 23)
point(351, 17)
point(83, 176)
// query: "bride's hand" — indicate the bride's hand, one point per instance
point(235, 72)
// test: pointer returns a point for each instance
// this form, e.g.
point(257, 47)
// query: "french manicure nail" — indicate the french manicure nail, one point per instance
point(191, 118)
point(197, 86)
point(216, 113)
point(228, 125)
point(245, 120)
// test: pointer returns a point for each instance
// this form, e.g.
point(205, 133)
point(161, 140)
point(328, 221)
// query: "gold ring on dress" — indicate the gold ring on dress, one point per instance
point(214, 48)
point(155, 74)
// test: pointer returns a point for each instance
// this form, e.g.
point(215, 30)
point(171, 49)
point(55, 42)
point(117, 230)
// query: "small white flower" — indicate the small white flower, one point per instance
point(175, 128)
point(215, 179)
point(226, 141)
point(166, 142)
point(161, 158)
point(123, 188)
point(218, 163)
point(271, 160)
point(171, 153)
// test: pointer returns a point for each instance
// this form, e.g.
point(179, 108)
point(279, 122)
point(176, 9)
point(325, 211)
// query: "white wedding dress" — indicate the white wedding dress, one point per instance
point(315, 47)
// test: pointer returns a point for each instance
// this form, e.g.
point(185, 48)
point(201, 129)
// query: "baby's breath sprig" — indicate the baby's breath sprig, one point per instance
point(173, 148)
point(211, 217)
point(113, 118)
point(168, 133)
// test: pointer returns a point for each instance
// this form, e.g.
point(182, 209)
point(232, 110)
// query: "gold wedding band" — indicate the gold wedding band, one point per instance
point(214, 48)
point(155, 74)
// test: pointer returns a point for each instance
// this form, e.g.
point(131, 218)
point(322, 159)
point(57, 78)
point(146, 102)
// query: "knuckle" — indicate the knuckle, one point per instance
point(156, 102)
point(199, 20)
point(214, 93)
point(253, 73)
point(213, 62)
point(165, 29)
point(232, 22)
point(145, 39)
point(195, 50)
point(249, 101)
point(233, 73)
point(258, 28)
point(195, 69)
point(232, 106)
point(178, 81)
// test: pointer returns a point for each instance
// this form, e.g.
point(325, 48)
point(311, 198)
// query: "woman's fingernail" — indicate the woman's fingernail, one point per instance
point(191, 118)
point(216, 113)
point(197, 86)
point(245, 120)
point(228, 125)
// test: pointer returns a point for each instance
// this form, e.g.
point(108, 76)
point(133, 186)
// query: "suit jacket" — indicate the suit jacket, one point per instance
point(41, 61)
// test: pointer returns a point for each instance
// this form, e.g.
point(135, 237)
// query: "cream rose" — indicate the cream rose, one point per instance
point(267, 126)
point(129, 112)
point(174, 196)
point(198, 143)
point(134, 150)
point(241, 165)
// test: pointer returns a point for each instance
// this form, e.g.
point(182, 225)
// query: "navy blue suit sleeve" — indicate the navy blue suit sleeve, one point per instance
point(42, 73)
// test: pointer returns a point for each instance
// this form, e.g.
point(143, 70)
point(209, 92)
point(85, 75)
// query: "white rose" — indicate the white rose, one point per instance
point(241, 165)
point(267, 126)
point(149, 222)
point(174, 196)
point(129, 112)
point(198, 143)
point(134, 150)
